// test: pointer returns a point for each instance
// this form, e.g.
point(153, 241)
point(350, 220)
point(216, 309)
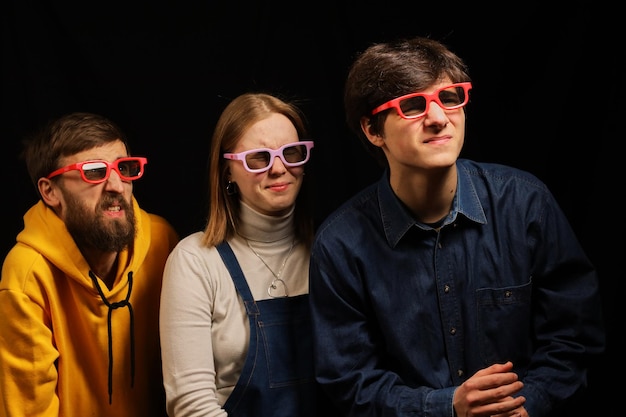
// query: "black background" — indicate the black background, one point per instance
point(548, 97)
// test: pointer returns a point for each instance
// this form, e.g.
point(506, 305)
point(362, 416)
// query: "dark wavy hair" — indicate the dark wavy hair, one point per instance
point(385, 71)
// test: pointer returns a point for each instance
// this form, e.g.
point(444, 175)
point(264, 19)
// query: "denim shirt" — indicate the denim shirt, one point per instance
point(403, 313)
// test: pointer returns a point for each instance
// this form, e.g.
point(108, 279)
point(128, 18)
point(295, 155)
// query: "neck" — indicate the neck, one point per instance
point(258, 227)
point(428, 195)
point(103, 264)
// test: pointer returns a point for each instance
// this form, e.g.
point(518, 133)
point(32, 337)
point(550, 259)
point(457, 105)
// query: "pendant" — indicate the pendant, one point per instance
point(277, 289)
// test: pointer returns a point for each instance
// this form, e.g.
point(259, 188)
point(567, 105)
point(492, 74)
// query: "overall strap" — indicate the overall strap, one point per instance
point(236, 274)
point(238, 398)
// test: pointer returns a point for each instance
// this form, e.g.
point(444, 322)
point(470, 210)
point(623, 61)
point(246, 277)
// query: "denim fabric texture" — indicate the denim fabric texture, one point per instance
point(277, 377)
point(403, 313)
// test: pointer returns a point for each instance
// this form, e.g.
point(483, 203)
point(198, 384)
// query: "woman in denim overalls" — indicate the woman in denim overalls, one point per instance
point(235, 324)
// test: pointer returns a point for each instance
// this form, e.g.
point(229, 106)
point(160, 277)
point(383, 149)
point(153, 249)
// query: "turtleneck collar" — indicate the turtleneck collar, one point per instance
point(258, 227)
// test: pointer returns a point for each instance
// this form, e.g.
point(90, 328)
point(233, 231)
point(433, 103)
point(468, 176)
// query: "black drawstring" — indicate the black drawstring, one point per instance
point(113, 306)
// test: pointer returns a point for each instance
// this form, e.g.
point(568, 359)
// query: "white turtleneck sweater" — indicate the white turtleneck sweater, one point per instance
point(203, 325)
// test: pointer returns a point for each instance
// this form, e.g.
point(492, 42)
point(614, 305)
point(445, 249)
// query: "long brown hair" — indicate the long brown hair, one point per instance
point(237, 117)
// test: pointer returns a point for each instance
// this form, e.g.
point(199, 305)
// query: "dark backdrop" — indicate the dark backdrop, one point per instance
point(548, 97)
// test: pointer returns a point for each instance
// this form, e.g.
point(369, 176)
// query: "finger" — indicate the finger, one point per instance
point(496, 368)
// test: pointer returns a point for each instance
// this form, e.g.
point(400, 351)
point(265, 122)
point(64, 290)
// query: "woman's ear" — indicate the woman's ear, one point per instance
point(375, 139)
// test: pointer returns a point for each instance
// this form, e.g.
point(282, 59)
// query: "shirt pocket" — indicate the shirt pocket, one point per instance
point(504, 324)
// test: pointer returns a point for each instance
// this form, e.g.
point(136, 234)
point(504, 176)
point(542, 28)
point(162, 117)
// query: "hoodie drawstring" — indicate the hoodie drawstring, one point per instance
point(113, 306)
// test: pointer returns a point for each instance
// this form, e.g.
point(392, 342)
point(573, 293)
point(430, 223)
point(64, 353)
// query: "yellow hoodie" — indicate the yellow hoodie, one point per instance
point(56, 352)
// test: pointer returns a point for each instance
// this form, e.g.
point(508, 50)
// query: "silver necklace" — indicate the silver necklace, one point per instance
point(278, 287)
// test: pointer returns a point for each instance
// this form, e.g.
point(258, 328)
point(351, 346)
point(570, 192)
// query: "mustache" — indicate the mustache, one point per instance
point(109, 200)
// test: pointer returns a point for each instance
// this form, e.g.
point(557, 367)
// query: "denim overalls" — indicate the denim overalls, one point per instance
point(277, 376)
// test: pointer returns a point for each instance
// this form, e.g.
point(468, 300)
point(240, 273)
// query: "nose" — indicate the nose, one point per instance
point(278, 165)
point(114, 183)
point(435, 115)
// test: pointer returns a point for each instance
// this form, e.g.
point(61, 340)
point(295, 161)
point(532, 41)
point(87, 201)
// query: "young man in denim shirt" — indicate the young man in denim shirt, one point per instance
point(449, 287)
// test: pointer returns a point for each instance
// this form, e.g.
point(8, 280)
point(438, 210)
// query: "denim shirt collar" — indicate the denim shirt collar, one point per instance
point(398, 220)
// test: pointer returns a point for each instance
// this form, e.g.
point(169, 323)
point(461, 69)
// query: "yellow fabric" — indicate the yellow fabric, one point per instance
point(53, 324)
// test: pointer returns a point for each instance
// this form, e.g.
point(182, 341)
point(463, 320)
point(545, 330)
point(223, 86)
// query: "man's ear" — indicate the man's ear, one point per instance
point(48, 192)
point(375, 139)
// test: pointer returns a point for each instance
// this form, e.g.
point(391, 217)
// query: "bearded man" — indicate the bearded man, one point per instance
point(80, 290)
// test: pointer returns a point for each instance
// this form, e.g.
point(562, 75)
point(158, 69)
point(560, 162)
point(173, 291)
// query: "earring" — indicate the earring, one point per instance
point(231, 188)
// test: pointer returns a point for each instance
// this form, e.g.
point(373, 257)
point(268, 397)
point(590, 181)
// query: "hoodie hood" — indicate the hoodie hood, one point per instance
point(46, 233)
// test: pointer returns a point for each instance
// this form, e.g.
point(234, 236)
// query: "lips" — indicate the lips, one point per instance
point(439, 139)
point(278, 187)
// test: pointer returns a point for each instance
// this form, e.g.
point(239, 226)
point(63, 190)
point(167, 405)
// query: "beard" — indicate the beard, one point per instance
point(91, 229)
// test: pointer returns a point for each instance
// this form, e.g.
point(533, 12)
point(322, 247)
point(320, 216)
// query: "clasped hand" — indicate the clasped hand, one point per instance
point(489, 393)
